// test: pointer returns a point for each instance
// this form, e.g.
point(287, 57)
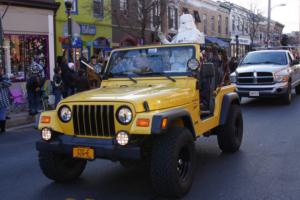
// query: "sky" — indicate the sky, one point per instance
point(287, 15)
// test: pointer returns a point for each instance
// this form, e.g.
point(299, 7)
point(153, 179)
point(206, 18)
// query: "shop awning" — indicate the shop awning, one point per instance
point(214, 40)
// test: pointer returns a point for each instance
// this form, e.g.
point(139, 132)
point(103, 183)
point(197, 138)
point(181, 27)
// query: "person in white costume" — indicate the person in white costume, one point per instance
point(187, 32)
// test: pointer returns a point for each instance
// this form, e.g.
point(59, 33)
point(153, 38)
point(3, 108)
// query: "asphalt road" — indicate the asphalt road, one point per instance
point(267, 167)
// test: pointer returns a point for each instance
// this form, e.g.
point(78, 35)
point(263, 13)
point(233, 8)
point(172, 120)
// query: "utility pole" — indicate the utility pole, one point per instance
point(68, 4)
point(1, 45)
point(237, 46)
point(269, 23)
point(299, 23)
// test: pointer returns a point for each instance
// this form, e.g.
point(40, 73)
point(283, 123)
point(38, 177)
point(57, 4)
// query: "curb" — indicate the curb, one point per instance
point(19, 119)
point(20, 127)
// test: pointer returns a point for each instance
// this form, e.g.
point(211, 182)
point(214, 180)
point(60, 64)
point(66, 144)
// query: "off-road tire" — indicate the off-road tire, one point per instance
point(287, 97)
point(297, 89)
point(173, 162)
point(230, 135)
point(61, 167)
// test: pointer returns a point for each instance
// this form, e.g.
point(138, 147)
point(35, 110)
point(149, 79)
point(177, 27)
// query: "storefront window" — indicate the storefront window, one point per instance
point(26, 51)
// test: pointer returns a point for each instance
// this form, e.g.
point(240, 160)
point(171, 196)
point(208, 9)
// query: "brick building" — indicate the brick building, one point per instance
point(138, 21)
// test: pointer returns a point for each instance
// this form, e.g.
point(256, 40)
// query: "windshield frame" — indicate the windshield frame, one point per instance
point(242, 64)
point(107, 75)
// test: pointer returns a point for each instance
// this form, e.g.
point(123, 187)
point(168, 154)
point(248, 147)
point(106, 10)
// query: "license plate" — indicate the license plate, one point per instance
point(254, 94)
point(84, 153)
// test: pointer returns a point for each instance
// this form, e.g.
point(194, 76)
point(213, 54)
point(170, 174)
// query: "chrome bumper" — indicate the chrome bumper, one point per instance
point(274, 90)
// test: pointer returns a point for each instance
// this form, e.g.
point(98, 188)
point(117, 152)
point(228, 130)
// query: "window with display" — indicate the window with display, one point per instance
point(27, 52)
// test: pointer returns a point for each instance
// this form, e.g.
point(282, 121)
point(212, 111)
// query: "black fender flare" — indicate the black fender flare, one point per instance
point(171, 115)
point(228, 100)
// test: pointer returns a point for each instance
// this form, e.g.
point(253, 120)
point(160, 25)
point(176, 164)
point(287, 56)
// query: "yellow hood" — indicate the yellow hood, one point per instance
point(159, 96)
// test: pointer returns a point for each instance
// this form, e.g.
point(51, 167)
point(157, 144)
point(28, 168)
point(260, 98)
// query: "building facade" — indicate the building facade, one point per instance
point(276, 30)
point(28, 28)
point(137, 22)
point(239, 30)
point(91, 29)
point(211, 19)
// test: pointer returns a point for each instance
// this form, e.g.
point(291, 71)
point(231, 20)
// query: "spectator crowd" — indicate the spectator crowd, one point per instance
point(68, 79)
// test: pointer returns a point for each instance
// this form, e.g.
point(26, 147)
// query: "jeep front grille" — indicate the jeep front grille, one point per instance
point(94, 120)
point(255, 78)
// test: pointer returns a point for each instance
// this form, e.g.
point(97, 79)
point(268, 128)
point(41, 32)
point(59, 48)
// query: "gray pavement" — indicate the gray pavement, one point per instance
point(267, 167)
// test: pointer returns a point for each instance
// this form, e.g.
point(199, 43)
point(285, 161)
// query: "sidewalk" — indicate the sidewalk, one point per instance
point(19, 119)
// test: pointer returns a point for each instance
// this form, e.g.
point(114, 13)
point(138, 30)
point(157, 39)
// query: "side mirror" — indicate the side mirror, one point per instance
point(295, 62)
point(193, 64)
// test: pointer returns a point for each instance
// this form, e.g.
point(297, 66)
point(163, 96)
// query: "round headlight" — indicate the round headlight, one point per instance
point(122, 138)
point(65, 114)
point(46, 134)
point(124, 115)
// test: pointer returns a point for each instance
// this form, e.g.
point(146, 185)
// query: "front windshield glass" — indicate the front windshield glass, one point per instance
point(256, 58)
point(167, 60)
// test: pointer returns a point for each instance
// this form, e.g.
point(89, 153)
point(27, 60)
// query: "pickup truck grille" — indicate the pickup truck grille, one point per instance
point(255, 78)
point(94, 120)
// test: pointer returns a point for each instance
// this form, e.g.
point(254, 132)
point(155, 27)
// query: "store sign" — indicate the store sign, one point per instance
point(87, 29)
point(243, 41)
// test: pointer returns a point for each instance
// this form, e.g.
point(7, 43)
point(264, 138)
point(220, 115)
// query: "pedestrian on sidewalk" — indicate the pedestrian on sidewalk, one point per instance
point(63, 65)
point(70, 80)
point(4, 99)
point(94, 75)
point(57, 86)
point(33, 86)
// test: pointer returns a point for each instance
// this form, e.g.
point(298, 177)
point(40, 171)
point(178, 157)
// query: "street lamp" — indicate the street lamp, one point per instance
point(269, 18)
point(69, 4)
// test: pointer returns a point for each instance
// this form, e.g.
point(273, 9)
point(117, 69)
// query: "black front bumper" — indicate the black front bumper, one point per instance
point(104, 148)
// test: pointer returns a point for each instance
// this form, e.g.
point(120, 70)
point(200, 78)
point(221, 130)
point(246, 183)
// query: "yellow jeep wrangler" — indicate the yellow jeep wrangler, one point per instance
point(153, 104)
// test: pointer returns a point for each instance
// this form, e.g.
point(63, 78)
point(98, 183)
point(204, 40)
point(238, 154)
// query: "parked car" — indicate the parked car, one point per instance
point(268, 73)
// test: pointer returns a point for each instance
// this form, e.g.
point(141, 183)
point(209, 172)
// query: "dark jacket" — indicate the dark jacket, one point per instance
point(57, 83)
point(34, 84)
point(4, 92)
point(69, 78)
point(82, 84)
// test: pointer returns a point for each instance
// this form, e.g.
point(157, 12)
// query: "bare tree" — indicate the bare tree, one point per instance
point(255, 18)
point(139, 16)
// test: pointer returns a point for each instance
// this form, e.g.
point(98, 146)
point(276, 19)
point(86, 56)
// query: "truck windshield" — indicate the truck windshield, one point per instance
point(272, 58)
point(151, 61)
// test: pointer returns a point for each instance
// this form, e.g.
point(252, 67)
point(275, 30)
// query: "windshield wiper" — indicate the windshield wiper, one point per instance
point(167, 76)
point(123, 74)
point(158, 73)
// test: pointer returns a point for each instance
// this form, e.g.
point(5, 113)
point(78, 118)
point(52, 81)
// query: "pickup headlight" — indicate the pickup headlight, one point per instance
point(124, 115)
point(233, 78)
point(281, 78)
point(65, 114)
